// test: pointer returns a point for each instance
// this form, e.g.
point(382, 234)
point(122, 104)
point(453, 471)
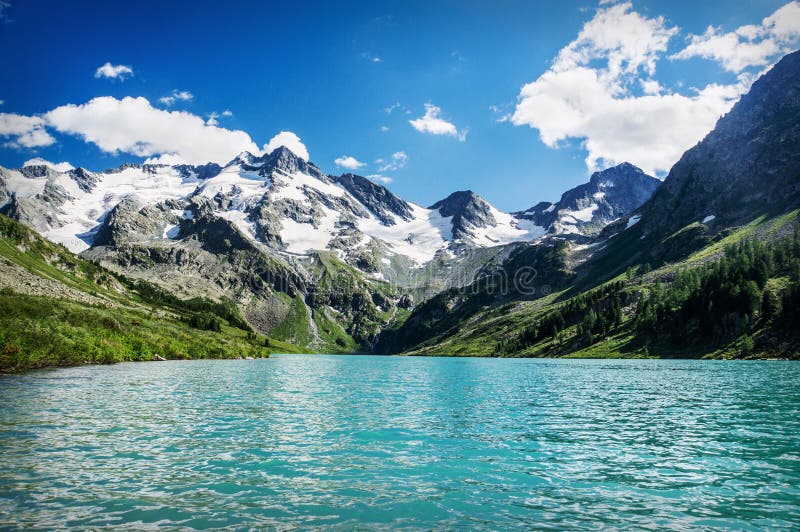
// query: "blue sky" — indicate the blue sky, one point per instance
point(330, 73)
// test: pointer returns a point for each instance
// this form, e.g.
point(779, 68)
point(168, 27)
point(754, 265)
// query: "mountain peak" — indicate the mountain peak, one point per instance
point(285, 160)
point(377, 198)
point(244, 157)
point(748, 165)
point(620, 173)
point(457, 202)
point(468, 210)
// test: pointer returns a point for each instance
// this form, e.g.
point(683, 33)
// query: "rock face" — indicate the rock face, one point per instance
point(748, 165)
point(586, 209)
point(376, 198)
point(469, 212)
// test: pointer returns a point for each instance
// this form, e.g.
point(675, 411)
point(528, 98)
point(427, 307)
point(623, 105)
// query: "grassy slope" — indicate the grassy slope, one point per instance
point(112, 323)
point(481, 334)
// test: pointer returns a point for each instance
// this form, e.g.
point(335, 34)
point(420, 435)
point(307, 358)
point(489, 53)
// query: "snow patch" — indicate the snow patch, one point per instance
point(582, 215)
point(419, 239)
point(171, 231)
point(291, 186)
point(507, 230)
point(633, 220)
point(302, 238)
point(22, 186)
point(708, 218)
point(84, 211)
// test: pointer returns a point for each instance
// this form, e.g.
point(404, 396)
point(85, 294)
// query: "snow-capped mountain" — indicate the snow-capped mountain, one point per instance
point(293, 247)
point(277, 200)
point(475, 222)
point(586, 209)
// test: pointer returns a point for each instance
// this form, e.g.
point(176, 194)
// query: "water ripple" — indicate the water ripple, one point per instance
point(296, 442)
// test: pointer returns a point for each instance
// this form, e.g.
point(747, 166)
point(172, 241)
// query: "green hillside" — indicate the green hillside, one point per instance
point(738, 297)
point(57, 309)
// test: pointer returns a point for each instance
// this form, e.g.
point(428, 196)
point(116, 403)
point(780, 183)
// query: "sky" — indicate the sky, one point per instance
point(517, 101)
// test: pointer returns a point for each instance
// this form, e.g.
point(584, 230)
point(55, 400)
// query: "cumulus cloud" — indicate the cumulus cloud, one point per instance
point(380, 178)
point(288, 140)
point(176, 96)
point(227, 112)
point(749, 45)
point(590, 94)
point(120, 72)
point(38, 161)
point(433, 123)
point(24, 131)
point(398, 160)
point(349, 162)
point(133, 125)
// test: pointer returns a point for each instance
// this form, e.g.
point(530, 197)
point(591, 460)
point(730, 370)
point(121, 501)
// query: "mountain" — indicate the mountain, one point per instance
point(322, 261)
point(475, 223)
point(586, 209)
point(747, 166)
point(709, 266)
point(705, 264)
point(57, 309)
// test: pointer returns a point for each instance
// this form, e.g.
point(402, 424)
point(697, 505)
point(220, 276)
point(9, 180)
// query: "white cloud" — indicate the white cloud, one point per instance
point(133, 125)
point(380, 178)
point(784, 24)
point(289, 140)
point(176, 96)
point(650, 86)
point(398, 160)
point(623, 38)
point(500, 113)
point(120, 72)
point(24, 131)
point(391, 108)
point(371, 57)
point(2, 102)
point(169, 159)
point(587, 94)
point(349, 162)
point(749, 45)
point(38, 161)
point(433, 123)
point(384, 129)
point(213, 116)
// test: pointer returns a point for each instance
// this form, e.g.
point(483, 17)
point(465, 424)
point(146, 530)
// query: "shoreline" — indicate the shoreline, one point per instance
point(4, 372)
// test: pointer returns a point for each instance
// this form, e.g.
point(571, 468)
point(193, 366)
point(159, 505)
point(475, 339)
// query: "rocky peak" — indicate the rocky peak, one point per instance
point(38, 170)
point(585, 209)
point(468, 211)
point(376, 198)
point(204, 171)
point(122, 167)
point(85, 179)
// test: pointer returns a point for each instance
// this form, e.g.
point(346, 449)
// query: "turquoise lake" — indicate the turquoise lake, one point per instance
point(344, 442)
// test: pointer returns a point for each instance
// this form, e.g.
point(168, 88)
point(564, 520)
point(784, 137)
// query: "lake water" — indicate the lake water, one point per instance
point(349, 442)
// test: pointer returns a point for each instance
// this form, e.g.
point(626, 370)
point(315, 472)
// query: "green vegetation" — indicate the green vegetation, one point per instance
point(738, 297)
point(86, 314)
